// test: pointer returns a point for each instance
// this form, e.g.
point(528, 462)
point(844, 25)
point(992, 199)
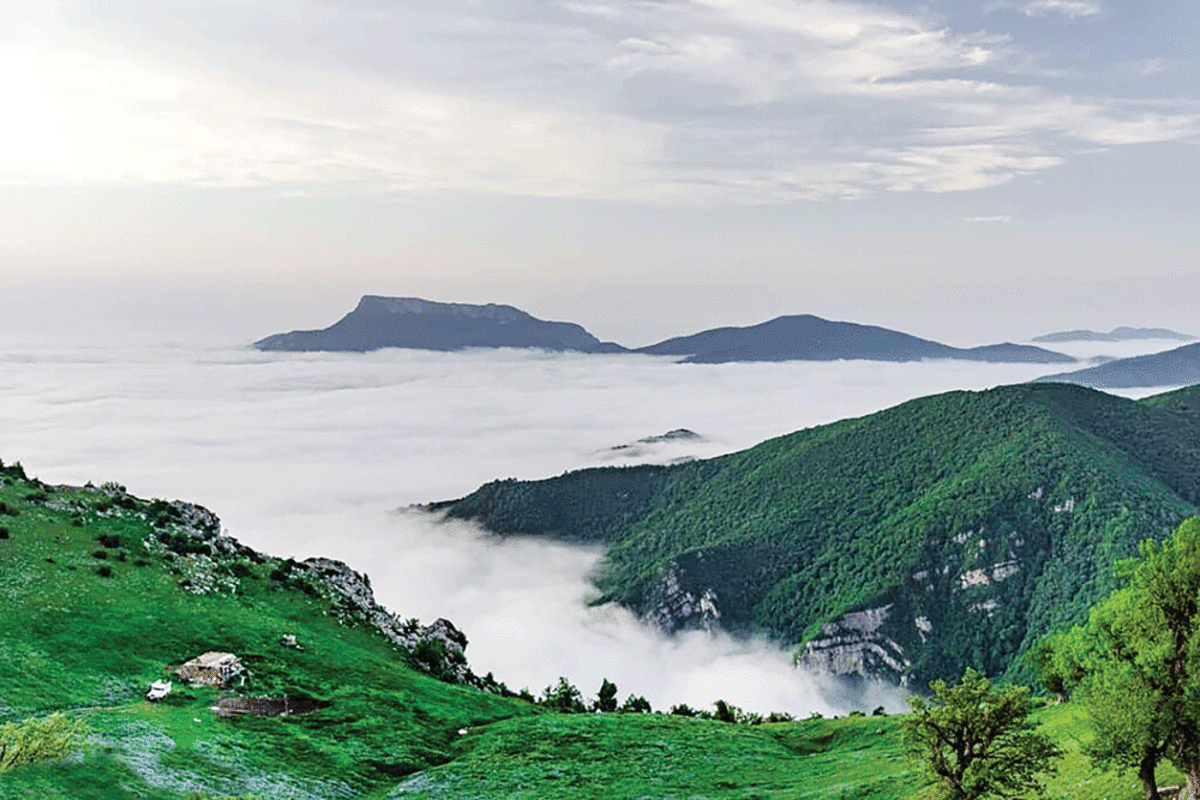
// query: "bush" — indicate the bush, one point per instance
point(563, 697)
point(636, 705)
point(3, 532)
point(104, 571)
point(32, 740)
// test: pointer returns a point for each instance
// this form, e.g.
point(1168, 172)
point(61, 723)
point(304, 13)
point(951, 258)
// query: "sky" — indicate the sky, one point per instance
point(966, 171)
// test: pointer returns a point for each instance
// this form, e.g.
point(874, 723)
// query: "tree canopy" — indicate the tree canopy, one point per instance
point(1135, 664)
point(978, 740)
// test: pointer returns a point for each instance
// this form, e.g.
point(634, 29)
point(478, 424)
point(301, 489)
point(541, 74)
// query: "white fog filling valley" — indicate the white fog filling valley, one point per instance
point(320, 454)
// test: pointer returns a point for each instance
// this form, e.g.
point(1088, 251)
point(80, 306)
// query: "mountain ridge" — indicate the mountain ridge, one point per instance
point(811, 338)
point(948, 531)
point(378, 322)
point(1120, 334)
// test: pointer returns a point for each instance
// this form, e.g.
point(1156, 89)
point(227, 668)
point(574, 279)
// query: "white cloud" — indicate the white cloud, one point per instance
point(309, 454)
point(1068, 8)
point(1001, 218)
point(678, 101)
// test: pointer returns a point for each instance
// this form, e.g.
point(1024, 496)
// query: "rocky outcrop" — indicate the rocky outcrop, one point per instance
point(355, 600)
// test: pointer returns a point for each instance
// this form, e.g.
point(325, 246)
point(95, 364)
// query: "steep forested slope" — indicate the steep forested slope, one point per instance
point(944, 532)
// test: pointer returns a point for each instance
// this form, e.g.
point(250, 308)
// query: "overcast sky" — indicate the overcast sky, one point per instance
point(961, 170)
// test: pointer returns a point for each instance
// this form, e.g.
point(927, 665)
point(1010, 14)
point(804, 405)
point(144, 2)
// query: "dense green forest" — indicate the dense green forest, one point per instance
point(977, 520)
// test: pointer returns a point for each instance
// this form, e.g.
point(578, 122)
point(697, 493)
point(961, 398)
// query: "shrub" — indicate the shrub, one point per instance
point(636, 705)
point(563, 697)
point(32, 740)
point(3, 532)
point(104, 571)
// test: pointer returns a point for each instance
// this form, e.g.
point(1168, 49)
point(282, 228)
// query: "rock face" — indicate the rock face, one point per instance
point(411, 322)
point(854, 645)
point(680, 601)
point(809, 338)
point(1178, 367)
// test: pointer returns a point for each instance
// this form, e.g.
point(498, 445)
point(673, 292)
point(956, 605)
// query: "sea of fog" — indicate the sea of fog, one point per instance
point(319, 454)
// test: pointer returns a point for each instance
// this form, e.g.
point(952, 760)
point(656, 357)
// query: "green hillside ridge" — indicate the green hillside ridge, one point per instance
point(102, 593)
point(966, 524)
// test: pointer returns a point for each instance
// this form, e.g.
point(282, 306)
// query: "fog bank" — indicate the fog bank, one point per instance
point(313, 454)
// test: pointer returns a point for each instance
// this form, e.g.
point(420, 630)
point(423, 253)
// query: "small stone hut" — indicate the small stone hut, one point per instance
point(210, 669)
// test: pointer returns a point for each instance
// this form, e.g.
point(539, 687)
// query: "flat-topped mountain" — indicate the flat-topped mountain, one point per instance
point(379, 322)
point(1178, 367)
point(809, 338)
point(947, 532)
point(1122, 334)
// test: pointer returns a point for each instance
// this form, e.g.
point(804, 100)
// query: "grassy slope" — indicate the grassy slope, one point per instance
point(801, 528)
point(71, 639)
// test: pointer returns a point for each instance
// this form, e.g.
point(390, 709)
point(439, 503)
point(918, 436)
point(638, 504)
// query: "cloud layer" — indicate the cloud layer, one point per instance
point(312, 454)
point(676, 101)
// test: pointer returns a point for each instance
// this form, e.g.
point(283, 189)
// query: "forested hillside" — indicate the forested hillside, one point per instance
point(962, 525)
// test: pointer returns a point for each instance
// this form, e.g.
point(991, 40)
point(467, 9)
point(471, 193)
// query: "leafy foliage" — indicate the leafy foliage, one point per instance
point(33, 740)
point(1136, 663)
point(979, 741)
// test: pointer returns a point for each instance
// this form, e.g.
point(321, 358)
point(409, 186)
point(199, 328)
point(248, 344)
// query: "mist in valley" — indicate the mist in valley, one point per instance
point(322, 454)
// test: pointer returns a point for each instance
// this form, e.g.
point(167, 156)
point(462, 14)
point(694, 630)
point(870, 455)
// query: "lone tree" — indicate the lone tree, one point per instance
point(606, 698)
point(1138, 661)
point(978, 741)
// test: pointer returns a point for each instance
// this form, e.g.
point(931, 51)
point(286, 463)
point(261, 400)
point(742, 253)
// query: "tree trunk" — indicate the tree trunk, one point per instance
point(1187, 758)
point(1146, 773)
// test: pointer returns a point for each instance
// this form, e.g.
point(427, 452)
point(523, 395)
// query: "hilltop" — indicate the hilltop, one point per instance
point(379, 322)
point(948, 531)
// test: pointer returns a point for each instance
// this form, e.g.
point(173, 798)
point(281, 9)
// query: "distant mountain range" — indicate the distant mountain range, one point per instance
point(379, 322)
point(411, 322)
point(1121, 334)
point(947, 532)
point(809, 338)
point(1178, 367)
